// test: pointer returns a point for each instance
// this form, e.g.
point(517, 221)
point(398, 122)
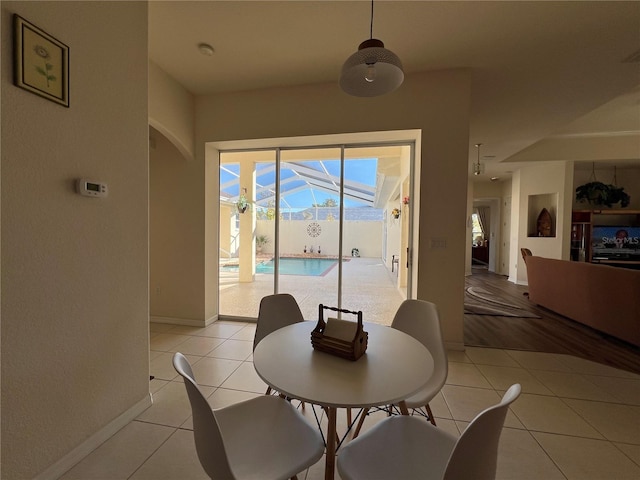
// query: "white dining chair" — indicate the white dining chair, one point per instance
point(409, 448)
point(276, 311)
point(264, 437)
point(421, 320)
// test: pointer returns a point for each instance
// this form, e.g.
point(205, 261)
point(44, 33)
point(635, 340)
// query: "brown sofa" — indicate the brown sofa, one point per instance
point(603, 297)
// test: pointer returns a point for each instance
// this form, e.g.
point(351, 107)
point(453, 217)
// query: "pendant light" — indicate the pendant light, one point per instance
point(372, 70)
point(478, 169)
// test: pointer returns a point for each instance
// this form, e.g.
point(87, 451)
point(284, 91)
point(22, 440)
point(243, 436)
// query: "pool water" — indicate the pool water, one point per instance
point(312, 267)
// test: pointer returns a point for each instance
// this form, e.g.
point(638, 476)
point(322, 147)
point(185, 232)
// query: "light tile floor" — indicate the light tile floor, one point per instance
point(575, 419)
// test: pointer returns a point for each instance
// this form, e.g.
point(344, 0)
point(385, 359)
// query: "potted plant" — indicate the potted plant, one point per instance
point(242, 204)
point(597, 193)
point(261, 241)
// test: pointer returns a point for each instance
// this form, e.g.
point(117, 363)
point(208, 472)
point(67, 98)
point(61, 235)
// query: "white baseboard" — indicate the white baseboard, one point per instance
point(190, 322)
point(518, 282)
point(94, 441)
point(456, 346)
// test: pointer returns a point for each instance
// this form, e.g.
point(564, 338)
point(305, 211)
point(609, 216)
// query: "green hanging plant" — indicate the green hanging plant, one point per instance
point(243, 203)
point(600, 194)
point(597, 193)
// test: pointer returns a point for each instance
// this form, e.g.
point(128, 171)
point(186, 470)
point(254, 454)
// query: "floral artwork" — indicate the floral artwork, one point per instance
point(45, 71)
point(42, 62)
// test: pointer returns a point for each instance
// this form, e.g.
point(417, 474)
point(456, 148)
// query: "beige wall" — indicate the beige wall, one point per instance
point(75, 341)
point(437, 103)
point(505, 227)
point(171, 178)
point(171, 110)
point(294, 237)
point(553, 180)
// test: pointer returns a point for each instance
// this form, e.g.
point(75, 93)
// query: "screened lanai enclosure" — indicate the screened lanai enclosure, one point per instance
point(329, 225)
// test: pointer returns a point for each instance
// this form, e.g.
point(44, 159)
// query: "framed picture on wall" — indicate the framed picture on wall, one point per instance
point(41, 62)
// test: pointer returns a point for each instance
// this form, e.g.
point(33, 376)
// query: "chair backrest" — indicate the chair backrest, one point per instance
point(475, 455)
point(206, 432)
point(276, 311)
point(421, 320)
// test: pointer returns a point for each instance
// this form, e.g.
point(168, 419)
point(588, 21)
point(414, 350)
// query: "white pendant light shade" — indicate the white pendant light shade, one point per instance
point(371, 71)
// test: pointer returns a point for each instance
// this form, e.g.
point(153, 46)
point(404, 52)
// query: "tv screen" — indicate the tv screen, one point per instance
point(616, 243)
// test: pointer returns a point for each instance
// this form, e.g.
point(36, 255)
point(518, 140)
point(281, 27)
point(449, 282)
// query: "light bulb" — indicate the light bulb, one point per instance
point(370, 76)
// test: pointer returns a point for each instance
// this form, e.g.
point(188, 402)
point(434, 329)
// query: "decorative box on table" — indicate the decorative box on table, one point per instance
point(338, 337)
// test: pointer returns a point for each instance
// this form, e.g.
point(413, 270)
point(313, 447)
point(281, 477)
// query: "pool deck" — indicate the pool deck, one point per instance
point(367, 285)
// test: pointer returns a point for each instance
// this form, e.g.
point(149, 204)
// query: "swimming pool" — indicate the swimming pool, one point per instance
point(311, 267)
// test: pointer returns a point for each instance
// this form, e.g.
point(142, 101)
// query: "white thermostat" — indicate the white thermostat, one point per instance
point(91, 188)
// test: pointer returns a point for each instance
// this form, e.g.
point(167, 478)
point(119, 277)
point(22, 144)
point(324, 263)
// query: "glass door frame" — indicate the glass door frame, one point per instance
point(409, 289)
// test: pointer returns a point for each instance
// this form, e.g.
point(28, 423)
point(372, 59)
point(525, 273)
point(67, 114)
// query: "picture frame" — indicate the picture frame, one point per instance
point(41, 62)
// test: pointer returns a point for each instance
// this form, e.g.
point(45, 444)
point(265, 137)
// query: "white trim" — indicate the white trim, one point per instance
point(190, 322)
point(94, 441)
point(621, 133)
point(456, 346)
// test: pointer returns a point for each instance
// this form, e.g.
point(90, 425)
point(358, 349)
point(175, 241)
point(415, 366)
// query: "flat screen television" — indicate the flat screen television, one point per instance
point(615, 243)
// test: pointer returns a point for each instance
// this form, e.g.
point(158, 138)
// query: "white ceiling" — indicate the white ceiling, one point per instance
point(550, 80)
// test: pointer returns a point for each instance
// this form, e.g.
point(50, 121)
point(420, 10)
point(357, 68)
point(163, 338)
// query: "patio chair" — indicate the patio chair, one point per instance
point(264, 437)
point(406, 447)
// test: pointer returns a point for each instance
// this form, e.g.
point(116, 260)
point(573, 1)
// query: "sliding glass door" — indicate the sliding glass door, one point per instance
point(326, 224)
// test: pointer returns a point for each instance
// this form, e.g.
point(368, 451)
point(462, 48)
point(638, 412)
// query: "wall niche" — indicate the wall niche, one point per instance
point(542, 215)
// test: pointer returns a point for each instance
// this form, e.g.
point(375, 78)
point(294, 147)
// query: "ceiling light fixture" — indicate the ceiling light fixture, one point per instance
point(372, 70)
point(205, 49)
point(478, 169)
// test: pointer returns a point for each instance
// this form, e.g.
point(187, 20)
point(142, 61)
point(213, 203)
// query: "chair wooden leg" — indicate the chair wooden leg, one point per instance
point(430, 413)
point(348, 417)
point(268, 392)
point(295, 477)
point(363, 415)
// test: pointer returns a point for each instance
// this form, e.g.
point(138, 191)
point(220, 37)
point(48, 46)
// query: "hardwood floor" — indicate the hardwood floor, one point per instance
point(551, 333)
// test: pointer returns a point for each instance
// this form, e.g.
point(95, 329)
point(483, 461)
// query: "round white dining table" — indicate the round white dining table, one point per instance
point(394, 367)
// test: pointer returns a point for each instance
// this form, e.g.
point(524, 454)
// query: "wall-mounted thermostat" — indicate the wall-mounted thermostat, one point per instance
point(91, 188)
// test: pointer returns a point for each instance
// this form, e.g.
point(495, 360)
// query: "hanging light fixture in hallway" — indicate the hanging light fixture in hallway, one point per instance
point(478, 168)
point(372, 70)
